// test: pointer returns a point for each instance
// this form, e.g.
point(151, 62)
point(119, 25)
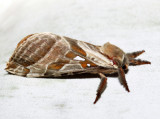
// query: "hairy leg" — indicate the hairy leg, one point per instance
point(121, 74)
point(102, 87)
point(135, 54)
point(134, 62)
point(122, 79)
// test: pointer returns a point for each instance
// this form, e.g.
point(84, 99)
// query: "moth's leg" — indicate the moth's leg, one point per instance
point(135, 54)
point(102, 87)
point(134, 62)
point(121, 75)
point(122, 79)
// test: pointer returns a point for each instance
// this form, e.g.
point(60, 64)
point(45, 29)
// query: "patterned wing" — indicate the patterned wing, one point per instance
point(89, 52)
point(44, 54)
point(77, 59)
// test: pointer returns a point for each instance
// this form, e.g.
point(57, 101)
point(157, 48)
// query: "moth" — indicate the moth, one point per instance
point(50, 55)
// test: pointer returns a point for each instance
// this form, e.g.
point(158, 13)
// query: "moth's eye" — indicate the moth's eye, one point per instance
point(124, 67)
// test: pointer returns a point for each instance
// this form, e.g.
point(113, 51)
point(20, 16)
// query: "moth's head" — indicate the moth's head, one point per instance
point(120, 58)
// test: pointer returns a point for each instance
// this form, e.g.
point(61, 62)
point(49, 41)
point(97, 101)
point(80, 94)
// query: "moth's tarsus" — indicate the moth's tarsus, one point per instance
point(97, 98)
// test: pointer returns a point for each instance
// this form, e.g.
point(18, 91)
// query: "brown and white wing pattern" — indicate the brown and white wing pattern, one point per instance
point(47, 54)
point(29, 52)
point(90, 52)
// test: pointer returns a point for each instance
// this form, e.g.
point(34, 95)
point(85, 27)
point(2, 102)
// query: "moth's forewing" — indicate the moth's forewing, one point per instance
point(90, 52)
point(44, 54)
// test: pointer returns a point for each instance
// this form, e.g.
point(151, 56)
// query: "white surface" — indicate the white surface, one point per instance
point(130, 24)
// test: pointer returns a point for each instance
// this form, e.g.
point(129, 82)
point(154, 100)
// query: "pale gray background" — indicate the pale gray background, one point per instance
point(130, 24)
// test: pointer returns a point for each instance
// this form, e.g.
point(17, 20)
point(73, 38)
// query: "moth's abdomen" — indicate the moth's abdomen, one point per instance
point(34, 53)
